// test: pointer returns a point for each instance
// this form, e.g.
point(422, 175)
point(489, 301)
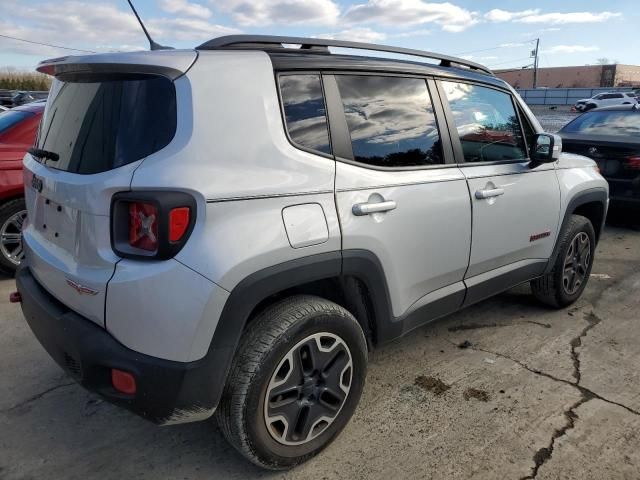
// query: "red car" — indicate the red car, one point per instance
point(18, 127)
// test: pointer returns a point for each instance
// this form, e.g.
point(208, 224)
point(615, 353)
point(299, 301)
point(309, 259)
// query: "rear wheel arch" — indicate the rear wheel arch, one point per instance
point(353, 279)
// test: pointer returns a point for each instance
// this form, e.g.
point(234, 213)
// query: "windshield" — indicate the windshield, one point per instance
point(9, 118)
point(616, 122)
point(97, 124)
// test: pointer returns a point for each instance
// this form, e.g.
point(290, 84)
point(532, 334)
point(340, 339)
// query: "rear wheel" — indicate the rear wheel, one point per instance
point(568, 278)
point(12, 217)
point(295, 382)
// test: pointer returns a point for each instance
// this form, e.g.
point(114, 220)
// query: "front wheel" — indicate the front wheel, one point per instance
point(12, 217)
point(568, 278)
point(295, 381)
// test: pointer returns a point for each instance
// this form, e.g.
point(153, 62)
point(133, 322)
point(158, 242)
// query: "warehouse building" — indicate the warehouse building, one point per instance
point(587, 76)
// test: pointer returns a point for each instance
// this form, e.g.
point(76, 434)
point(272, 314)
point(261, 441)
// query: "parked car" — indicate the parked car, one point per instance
point(611, 137)
point(18, 128)
point(605, 100)
point(241, 255)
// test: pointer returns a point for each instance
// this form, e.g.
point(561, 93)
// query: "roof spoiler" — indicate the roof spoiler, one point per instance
point(320, 44)
point(168, 63)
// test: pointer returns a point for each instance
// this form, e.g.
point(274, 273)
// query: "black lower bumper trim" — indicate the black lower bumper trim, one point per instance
point(166, 390)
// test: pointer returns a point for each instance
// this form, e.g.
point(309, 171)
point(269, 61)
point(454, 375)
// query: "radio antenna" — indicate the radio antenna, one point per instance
point(152, 45)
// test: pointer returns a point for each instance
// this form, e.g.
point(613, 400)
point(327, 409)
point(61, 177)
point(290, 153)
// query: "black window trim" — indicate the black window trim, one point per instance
point(283, 116)
point(340, 131)
point(455, 139)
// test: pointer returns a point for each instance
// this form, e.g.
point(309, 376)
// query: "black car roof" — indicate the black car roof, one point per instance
point(314, 54)
point(327, 62)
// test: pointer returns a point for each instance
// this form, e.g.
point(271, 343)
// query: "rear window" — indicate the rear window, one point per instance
point(615, 122)
point(96, 124)
point(11, 118)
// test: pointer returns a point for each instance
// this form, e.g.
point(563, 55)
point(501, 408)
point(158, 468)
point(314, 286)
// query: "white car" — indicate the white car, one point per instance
point(606, 99)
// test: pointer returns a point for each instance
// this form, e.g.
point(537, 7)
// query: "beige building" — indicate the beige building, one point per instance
point(588, 76)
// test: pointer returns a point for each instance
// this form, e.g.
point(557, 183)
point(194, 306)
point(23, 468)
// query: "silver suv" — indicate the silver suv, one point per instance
point(231, 229)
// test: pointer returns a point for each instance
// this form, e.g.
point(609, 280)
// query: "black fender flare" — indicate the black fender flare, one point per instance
point(598, 194)
point(207, 381)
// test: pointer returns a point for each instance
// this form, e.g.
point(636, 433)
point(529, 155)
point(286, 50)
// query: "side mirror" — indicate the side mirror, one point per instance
point(546, 148)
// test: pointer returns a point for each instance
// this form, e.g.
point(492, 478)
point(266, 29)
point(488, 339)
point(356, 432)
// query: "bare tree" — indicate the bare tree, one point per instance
point(606, 61)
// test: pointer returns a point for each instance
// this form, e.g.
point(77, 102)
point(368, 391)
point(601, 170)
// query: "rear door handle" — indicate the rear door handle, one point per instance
point(493, 192)
point(360, 209)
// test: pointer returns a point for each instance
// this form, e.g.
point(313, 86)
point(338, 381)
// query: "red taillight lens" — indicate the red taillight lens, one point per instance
point(143, 226)
point(633, 162)
point(178, 223)
point(123, 382)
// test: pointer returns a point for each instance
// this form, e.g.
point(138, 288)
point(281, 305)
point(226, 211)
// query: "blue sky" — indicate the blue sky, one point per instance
point(496, 33)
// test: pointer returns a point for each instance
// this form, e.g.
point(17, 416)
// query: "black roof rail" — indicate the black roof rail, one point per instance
point(321, 44)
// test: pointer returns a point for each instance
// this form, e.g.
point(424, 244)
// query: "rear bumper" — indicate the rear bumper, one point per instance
point(167, 391)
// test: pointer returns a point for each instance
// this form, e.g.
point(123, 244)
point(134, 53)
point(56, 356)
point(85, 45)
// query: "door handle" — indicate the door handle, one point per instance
point(493, 192)
point(366, 208)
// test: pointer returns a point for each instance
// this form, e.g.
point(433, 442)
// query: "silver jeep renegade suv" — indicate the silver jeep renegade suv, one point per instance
point(230, 229)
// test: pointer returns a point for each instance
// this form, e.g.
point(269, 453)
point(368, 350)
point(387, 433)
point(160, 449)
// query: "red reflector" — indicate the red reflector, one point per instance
point(178, 223)
point(123, 381)
point(143, 226)
point(633, 162)
point(15, 297)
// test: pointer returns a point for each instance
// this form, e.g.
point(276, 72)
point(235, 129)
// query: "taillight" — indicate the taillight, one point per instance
point(178, 223)
point(143, 226)
point(151, 224)
point(633, 162)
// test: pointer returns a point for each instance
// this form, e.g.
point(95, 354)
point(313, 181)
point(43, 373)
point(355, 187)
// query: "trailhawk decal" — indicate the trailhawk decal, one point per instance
point(538, 236)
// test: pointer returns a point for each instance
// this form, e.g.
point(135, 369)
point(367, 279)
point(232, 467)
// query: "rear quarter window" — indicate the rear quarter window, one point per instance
point(304, 111)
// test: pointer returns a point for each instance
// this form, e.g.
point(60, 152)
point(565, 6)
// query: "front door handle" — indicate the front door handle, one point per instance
point(492, 192)
point(366, 208)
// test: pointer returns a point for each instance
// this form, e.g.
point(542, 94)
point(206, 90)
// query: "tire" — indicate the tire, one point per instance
point(590, 106)
point(12, 215)
point(555, 289)
point(263, 364)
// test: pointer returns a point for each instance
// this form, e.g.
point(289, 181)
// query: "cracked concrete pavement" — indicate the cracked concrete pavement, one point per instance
point(535, 393)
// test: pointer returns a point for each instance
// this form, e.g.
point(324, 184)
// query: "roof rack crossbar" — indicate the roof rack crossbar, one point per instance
point(313, 44)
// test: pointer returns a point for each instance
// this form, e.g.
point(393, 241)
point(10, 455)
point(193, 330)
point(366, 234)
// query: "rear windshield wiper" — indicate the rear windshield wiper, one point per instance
point(46, 154)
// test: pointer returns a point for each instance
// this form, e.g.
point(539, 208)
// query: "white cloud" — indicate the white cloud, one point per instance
point(570, 49)
point(358, 34)
point(282, 12)
point(512, 45)
point(411, 12)
point(187, 29)
point(103, 27)
point(572, 17)
point(497, 15)
point(184, 7)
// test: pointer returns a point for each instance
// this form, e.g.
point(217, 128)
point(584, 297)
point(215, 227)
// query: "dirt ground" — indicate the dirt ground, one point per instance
point(534, 393)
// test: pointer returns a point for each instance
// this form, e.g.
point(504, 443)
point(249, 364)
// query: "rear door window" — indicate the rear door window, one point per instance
point(96, 124)
point(487, 123)
point(390, 120)
point(304, 111)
